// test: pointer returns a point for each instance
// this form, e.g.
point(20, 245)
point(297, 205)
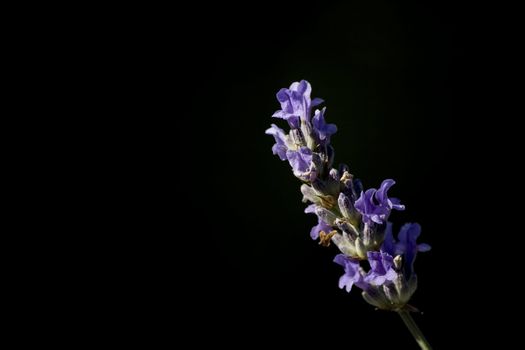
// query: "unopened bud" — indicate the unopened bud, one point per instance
point(377, 299)
point(326, 215)
point(345, 205)
point(309, 194)
point(344, 244)
point(345, 226)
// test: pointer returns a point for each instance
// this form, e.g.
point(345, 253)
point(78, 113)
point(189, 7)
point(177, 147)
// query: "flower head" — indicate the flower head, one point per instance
point(356, 221)
point(296, 103)
point(375, 206)
point(301, 145)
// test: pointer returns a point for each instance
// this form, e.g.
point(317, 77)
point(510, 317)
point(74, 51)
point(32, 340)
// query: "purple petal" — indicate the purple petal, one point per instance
point(391, 275)
point(283, 95)
point(423, 247)
point(340, 259)
point(279, 147)
point(380, 268)
point(352, 272)
point(346, 281)
point(310, 209)
point(381, 194)
point(374, 261)
point(321, 129)
point(317, 101)
point(364, 202)
point(280, 150)
point(303, 88)
point(388, 244)
point(300, 160)
point(321, 226)
point(407, 245)
point(279, 114)
point(396, 204)
point(294, 121)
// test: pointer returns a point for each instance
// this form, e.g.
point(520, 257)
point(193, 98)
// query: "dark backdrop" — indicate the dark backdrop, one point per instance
point(415, 91)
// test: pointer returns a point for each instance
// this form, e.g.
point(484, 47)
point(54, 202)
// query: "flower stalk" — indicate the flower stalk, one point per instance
point(414, 329)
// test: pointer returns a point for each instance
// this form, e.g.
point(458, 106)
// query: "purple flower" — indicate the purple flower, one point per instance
point(280, 146)
point(375, 206)
point(301, 162)
point(353, 274)
point(407, 245)
point(296, 103)
point(321, 129)
point(321, 225)
point(380, 268)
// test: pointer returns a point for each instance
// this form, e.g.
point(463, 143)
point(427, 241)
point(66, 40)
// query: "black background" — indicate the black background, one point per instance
point(419, 94)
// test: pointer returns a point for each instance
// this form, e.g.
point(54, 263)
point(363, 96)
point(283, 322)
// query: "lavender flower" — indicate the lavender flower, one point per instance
point(306, 147)
point(302, 164)
point(296, 103)
point(322, 130)
point(320, 227)
point(375, 206)
point(395, 292)
point(301, 158)
point(407, 245)
point(281, 141)
point(356, 221)
point(381, 268)
point(353, 272)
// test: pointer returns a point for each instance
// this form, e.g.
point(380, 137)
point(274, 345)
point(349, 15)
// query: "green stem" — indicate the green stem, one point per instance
point(414, 329)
